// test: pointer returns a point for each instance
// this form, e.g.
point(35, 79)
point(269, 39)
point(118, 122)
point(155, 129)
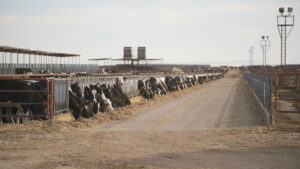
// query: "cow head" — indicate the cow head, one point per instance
point(76, 89)
point(89, 94)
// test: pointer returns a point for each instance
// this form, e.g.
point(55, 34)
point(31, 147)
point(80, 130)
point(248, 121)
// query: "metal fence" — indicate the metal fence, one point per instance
point(57, 89)
point(129, 86)
point(261, 85)
point(14, 92)
point(61, 95)
point(54, 68)
point(130, 82)
point(287, 92)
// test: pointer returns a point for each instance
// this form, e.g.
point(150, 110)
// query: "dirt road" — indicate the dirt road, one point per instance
point(175, 131)
point(226, 103)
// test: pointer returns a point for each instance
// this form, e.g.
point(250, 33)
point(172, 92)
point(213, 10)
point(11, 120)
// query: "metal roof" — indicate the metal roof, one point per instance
point(136, 59)
point(100, 59)
point(35, 52)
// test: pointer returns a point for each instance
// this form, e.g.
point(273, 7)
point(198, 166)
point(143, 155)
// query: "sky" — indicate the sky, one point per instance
point(215, 32)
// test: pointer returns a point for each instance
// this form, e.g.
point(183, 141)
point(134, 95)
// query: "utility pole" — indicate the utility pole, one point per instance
point(285, 24)
point(265, 45)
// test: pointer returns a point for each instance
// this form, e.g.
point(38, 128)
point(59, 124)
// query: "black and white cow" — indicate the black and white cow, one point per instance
point(90, 96)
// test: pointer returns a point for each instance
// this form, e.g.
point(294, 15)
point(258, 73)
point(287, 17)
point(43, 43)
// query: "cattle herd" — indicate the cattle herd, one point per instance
point(86, 101)
point(96, 98)
point(163, 85)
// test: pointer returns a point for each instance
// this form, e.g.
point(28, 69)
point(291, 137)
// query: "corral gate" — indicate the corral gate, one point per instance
point(287, 92)
point(46, 92)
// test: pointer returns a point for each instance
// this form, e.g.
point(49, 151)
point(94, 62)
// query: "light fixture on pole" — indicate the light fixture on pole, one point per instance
point(285, 24)
point(251, 52)
point(265, 45)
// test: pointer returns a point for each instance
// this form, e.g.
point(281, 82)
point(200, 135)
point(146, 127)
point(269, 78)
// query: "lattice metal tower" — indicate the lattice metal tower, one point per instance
point(265, 45)
point(285, 24)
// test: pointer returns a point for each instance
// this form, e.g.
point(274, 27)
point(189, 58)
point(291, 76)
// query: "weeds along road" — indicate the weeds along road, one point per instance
point(226, 103)
point(215, 126)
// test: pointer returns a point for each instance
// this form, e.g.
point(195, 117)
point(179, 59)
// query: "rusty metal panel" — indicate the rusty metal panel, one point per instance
point(287, 92)
point(44, 91)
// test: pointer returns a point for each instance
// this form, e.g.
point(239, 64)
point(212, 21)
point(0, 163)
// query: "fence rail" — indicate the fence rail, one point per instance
point(17, 98)
point(261, 85)
point(129, 86)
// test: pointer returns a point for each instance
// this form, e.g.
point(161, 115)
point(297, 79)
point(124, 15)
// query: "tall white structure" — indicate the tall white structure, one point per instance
point(251, 57)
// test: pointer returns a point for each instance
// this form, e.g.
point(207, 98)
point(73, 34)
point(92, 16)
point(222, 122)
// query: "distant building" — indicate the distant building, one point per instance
point(141, 53)
point(127, 53)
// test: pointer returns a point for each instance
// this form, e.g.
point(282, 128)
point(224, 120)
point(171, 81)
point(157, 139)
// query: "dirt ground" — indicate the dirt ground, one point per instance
point(76, 144)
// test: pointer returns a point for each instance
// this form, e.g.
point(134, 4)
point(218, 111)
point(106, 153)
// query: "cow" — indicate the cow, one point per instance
point(105, 103)
point(43, 72)
point(85, 103)
point(24, 97)
point(79, 106)
point(202, 79)
point(157, 86)
point(90, 95)
point(171, 84)
point(145, 89)
point(109, 95)
point(23, 71)
point(120, 93)
point(98, 92)
point(76, 90)
point(93, 100)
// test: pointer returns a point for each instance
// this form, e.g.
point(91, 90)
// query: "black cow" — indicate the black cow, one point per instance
point(76, 90)
point(78, 105)
point(23, 71)
point(109, 95)
point(27, 97)
point(171, 83)
point(202, 79)
point(122, 98)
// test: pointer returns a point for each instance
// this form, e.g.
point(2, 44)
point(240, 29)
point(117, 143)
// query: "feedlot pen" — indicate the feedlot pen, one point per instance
point(28, 97)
